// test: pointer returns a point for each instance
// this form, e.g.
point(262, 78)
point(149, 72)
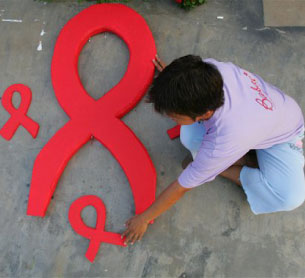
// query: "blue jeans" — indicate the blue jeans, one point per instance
point(278, 184)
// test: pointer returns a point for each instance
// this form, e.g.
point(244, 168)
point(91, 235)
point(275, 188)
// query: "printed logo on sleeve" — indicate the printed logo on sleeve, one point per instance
point(262, 100)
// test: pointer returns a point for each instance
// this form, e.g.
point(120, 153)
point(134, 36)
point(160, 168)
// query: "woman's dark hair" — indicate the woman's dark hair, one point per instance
point(188, 86)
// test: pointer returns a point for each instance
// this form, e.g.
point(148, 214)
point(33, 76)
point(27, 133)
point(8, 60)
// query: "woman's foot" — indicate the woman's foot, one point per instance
point(233, 172)
point(249, 159)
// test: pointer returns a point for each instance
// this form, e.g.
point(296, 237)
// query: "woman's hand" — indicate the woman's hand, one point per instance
point(160, 65)
point(136, 227)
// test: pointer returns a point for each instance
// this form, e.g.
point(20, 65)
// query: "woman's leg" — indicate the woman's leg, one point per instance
point(233, 172)
point(278, 184)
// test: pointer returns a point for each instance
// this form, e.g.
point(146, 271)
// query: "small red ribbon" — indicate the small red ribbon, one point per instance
point(95, 235)
point(18, 115)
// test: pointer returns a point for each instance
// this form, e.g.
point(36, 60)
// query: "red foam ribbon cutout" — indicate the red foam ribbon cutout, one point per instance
point(174, 132)
point(99, 118)
point(18, 115)
point(95, 235)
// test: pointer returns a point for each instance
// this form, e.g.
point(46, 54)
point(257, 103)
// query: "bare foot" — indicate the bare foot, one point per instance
point(249, 159)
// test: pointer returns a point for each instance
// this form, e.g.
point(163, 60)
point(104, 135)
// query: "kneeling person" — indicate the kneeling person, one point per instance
point(224, 112)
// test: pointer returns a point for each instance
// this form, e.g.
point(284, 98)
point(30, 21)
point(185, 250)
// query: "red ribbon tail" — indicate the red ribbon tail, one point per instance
point(31, 126)
point(112, 238)
point(9, 129)
point(50, 163)
point(134, 160)
point(93, 249)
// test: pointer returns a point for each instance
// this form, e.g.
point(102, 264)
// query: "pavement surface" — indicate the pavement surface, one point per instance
point(284, 12)
point(211, 232)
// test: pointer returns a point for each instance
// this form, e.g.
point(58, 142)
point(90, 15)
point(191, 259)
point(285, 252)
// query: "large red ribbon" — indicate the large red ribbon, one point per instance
point(98, 118)
point(18, 115)
point(95, 235)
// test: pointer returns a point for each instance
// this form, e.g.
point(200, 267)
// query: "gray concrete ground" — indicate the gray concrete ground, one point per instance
point(211, 232)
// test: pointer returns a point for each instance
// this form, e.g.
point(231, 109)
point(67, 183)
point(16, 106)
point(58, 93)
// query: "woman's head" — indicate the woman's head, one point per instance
point(187, 89)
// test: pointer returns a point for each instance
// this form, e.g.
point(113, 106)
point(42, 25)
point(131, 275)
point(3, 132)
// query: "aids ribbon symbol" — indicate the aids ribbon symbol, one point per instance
point(99, 118)
point(95, 235)
point(18, 115)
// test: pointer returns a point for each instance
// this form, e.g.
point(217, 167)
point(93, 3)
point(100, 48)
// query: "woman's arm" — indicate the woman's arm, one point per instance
point(137, 225)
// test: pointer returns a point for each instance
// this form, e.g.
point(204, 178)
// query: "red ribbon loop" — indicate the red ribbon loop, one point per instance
point(95, 235)
point(18, 115)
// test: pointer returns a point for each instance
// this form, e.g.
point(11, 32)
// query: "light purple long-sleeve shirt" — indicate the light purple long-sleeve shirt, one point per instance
point(255, 115)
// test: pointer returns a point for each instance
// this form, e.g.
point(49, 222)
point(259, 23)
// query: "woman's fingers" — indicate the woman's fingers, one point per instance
point(125, 233)
point(141, 236)
point(134, 239)
point(135, 228)
point(131, 237)
point(127, 222)
point(160, 65)
point(163, 65)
